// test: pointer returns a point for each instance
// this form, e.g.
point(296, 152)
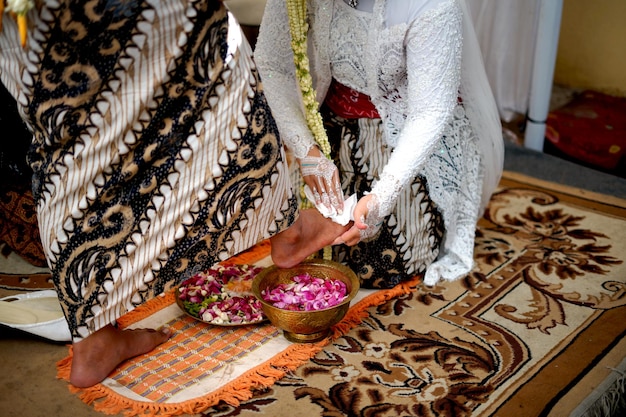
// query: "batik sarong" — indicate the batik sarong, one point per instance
point(154, 152)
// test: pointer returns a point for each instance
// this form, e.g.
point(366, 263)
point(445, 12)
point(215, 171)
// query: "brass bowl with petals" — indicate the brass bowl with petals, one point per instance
point(306, 326)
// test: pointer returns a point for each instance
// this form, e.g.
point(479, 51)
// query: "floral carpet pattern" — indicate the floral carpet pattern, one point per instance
point(521, 335)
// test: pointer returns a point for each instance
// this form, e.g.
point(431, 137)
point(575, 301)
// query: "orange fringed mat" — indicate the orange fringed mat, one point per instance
point(202, 365)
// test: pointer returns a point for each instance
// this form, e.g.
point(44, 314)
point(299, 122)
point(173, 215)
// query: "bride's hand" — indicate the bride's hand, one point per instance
point(367, 222)
point(322, 177)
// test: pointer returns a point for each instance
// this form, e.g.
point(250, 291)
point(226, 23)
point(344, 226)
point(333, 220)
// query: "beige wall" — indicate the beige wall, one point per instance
point(592, 46)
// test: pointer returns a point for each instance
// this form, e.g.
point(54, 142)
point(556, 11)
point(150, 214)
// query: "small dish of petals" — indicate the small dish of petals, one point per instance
point(222, 296)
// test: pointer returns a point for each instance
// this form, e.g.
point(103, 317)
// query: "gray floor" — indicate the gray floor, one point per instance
point(551, 168)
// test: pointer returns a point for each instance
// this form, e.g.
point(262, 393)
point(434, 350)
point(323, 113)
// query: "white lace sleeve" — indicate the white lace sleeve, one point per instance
point(434, 50)
point(274, 59)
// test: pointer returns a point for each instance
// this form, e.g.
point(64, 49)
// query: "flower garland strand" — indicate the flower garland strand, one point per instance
point(298, 28)
point(18, 9)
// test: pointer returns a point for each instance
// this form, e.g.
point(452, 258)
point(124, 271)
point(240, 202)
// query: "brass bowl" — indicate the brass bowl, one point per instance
point(306, 326)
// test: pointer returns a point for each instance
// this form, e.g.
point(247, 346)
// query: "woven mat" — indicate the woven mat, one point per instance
point(202, 365)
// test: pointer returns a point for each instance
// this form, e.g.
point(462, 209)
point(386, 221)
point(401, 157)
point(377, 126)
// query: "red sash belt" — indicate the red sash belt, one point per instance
point(348, 103)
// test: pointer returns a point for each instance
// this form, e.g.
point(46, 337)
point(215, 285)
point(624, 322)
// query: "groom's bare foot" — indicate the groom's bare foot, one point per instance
point(96, 356)
point(310, 233)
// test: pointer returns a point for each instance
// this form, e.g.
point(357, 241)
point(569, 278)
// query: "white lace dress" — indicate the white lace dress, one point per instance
point(407, 56)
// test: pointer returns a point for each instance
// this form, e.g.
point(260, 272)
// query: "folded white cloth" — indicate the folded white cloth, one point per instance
point(37, 313)
point(342, 218)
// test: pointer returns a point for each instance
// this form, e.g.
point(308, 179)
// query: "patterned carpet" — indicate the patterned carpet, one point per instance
point(536, 330)
point(529, 333)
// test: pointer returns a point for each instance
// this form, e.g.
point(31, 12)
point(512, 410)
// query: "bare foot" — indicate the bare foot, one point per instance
point(96, 356)
point(310, 233)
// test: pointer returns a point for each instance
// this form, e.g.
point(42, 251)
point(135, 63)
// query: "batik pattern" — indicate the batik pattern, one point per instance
point(155, 154)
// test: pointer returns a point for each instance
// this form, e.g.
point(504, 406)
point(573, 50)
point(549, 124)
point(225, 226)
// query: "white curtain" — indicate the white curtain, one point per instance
point(507, 32)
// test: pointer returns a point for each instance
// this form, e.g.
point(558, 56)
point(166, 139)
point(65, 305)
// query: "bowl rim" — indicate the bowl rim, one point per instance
point(354, 280)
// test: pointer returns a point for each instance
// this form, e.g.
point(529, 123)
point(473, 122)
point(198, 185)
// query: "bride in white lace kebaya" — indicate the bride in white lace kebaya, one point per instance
point(413, 128)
